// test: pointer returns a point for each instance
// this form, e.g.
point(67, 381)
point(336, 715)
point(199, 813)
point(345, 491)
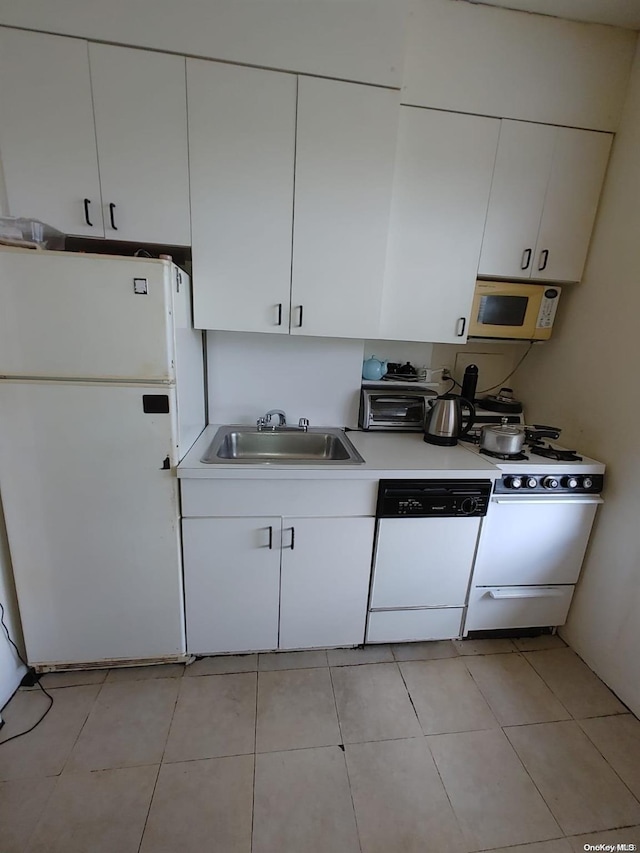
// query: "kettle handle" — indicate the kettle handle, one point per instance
point(470, 418)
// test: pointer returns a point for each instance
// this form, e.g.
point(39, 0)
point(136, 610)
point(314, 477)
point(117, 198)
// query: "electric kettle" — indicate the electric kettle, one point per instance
point(445, 421)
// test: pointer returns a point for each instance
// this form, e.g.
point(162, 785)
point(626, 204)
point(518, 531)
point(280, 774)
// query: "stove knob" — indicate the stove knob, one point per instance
point(587, 483)
point(550, 483)
point(514, 482)
point(531, 482)
point(570, 482)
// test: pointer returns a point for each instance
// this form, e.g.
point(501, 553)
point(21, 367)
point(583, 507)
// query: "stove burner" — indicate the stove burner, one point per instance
point(549, 452)
point(470, 438)
point(505, 457)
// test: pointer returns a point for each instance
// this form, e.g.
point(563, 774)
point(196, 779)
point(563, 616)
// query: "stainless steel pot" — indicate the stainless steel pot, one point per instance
point(504, 438)
point(508, 439)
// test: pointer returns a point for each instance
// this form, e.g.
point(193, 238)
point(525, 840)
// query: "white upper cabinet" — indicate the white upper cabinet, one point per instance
point(346, 137)
point(543, 202)
point(47, 136)
point(242, 151)
point(93, 138)
point(525, 152)
point(577, 173)
point(140, 108)
point(441, 191)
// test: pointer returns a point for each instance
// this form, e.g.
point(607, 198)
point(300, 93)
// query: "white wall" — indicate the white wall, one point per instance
point(496, 62)
point(359, 40)
point(587, 377)
point(314, 378)
point(11, 670)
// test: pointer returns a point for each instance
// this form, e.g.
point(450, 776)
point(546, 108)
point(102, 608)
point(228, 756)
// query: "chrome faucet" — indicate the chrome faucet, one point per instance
point(265, 420)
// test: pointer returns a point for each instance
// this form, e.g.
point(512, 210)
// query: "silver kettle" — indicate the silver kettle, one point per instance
point(445, 421)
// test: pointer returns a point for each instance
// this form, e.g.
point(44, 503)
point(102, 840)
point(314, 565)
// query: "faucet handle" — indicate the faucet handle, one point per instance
point(303, 423)
point(261, 423)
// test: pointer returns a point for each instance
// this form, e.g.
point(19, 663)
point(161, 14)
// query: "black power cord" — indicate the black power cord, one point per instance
point(501, 383)
point(28, 681)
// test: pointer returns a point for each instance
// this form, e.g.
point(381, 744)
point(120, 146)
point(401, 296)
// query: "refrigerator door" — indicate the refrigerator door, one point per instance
point(73, 316)
point(92, 520)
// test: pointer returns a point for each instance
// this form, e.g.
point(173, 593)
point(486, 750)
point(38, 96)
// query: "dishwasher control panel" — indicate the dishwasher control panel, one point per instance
point(432, 498)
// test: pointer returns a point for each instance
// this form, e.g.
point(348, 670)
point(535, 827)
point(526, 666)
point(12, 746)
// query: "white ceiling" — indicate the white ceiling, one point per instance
point(618, 13)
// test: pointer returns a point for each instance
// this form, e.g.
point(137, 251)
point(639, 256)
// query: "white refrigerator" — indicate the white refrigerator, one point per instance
point(101, 394)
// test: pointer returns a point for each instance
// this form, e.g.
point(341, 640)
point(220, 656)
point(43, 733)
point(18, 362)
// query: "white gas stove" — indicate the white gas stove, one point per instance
point(534, 537)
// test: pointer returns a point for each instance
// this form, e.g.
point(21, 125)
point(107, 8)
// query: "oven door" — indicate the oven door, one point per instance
point(527, 541)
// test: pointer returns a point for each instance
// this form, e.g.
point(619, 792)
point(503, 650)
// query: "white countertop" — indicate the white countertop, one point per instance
point(387, 455)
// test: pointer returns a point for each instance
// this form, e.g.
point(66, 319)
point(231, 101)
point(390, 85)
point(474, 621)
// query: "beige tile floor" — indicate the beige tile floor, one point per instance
point(454, 747)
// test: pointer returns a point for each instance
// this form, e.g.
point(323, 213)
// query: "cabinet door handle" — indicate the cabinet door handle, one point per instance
point(543, 263)
point(112, 207)
point(526, 259)
point(292, 544)
point(301, 309)
point(461, 326)
point(279, 320)
point(87, 202)
point(270, 537)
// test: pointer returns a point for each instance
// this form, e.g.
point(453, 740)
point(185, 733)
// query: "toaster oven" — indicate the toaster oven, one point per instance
point(393, 408)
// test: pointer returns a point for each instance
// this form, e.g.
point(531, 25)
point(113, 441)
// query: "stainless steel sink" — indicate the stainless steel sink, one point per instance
point(321, 446)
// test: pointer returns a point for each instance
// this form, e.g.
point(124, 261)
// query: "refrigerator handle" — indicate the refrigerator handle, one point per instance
point(166, 465)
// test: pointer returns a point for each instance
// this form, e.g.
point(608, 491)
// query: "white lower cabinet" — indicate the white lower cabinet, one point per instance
point(232, 580)
point(261, 583)
point(326, 564)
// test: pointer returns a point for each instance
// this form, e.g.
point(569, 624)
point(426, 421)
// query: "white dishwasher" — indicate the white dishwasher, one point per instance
point(426, 538)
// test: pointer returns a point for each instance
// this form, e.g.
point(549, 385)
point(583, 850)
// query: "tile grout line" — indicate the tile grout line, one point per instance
point(164, 749)
point(426, 740)
point(84, 723)
point(604, 757)
point(533, 781)
point(544, 681)
point(406, 687)
point(344, 757)
point(255, 756)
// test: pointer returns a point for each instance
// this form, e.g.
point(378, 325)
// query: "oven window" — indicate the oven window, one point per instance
point(397, 410)
point(502, 310)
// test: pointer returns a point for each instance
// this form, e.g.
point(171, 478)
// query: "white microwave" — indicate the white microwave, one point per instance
point(503, 309)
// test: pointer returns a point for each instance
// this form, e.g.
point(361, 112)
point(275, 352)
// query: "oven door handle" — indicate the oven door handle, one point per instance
point(543, 499)
point(525, 592)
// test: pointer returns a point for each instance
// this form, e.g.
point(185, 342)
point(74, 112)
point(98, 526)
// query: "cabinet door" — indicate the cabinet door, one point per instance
point(241, 155)
point(326, 564)
point(231, 577)
point(441, 190)
point(523, 166)
point(577, 173)
point(346, 136)
point(47, 136)
point(140, 105)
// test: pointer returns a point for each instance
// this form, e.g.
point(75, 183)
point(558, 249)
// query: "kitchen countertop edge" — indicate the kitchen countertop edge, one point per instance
point(387, 456)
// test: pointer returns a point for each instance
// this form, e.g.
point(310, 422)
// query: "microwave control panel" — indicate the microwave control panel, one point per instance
point(548, 308)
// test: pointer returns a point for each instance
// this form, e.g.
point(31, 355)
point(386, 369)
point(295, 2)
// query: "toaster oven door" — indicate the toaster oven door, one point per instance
point(396, 411)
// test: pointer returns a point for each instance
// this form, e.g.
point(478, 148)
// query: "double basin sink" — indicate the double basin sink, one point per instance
point(248, 445)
